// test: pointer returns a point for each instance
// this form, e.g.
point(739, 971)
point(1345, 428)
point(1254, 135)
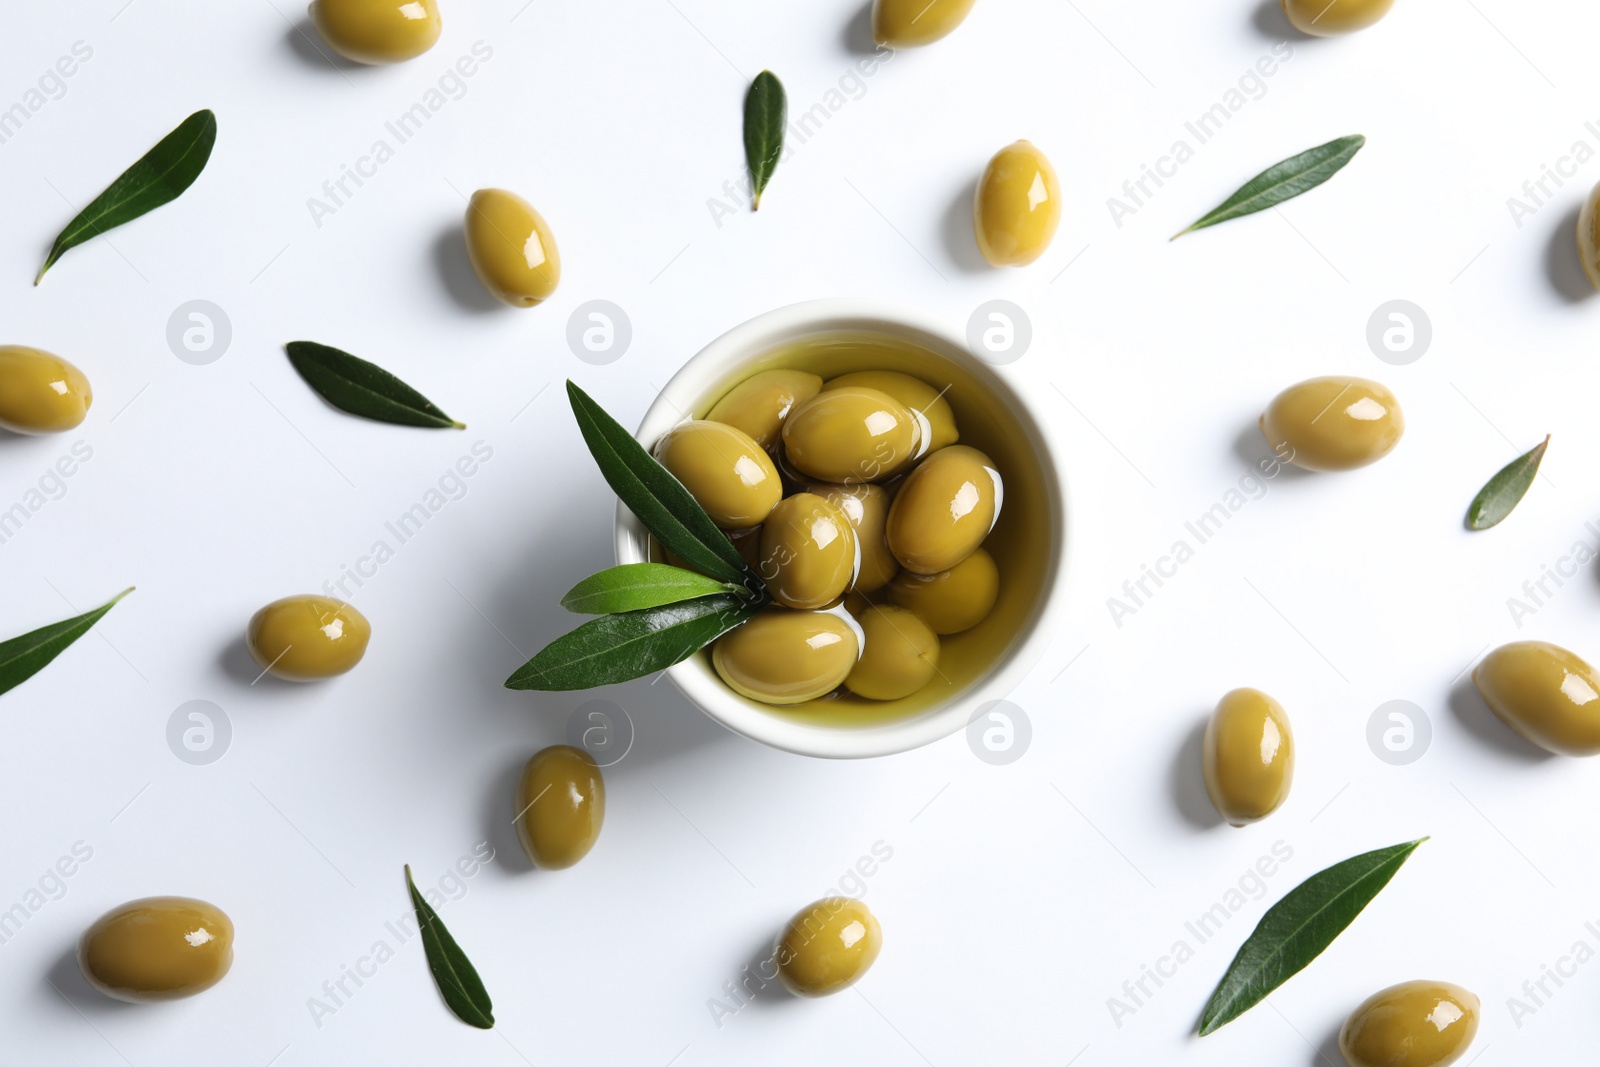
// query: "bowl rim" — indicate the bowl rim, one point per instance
point(770, 726)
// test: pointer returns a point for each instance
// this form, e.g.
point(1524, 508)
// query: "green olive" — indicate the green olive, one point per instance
point(157, 948)
point(39, 392)
point(786, 657)
point(1248, 756)
point(808, 552)
point(724, 469)
point(909, 23)
point(511, 248)
point(867, 508)
point(1329, 18)
point(852, 434)
point(1545, 693)
point(1413, 1024)
point(759, 404)
point(827, 946)
point(945, 509)
point(953, 600)
point(1018, 206)
point(1335, 423)
point(306, 638)
point(377, 31)
point(561, 804)
point(1589, 236)
point(915, 394)
point(899, 656)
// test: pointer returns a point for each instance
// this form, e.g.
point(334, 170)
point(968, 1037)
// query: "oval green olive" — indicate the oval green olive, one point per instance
point(759, 404)
point(511, 248)
point(1589, 236)
point(867, 508)
point(954, 600)
point(1248, 756)
point(899, 655)
point(306, 638)
point(1545, 693)
point(808, 552)
point(1413, 1024)
point(157, 948)
point(851, 434)
point(561, 804)
point(724, 469)
point(1322, 18)
point(1335, 423)
point(945, 509)
point(827, 946)
point(1017, 207)
point(909, 23)
point(377, 31)
point(39, 392)
point(786, 657)
point(915, 394)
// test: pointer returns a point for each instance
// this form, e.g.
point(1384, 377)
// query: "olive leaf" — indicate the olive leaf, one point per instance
point(1506, 489)
point(159, 177)
point(353, 385)
point(23, 657)
point(634, 586)
point(1283, 181)
point(632, 644)
point(766, 113)
point(453, 973)
point(1296, 929)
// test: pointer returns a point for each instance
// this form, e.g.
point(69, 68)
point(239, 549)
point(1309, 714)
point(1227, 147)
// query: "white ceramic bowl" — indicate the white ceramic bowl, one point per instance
point(732, 357)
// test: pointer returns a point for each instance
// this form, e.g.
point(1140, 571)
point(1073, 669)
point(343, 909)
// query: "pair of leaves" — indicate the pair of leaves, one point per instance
point(353, 385)
point(1282, 181)
point(766, 113)
point(23, 657)
point(452, 972)
point(159, 177)
point(1506, 489)
point(1296, 929)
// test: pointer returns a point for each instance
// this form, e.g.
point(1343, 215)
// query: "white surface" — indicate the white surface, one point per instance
point(1018, 898)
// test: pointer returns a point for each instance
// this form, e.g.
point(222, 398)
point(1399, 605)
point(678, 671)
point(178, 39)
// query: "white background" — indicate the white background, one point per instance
point(1018, 898)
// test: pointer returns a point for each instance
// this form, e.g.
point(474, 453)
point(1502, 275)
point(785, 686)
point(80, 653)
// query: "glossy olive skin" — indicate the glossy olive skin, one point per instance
point(40, 392)
point(307, 638)
point(867, 508)
point(808, 552)
point(899, 656)
point(1545, 693)
point(1335, 423)
point(945, 509)
point(954, 600)
point(1327, 18)
point(724, 469)
point(1413, 1024)
point(1589, 236)
point(827, 946)
point(157, 948)
point(377, 31)
point(786, 657)
point(915, 394)
point(511, 248)
point(1017, 207)
point(851, 434)
point(560, 806)
point(759, 404)
point(910, 23)
point(1248, 756)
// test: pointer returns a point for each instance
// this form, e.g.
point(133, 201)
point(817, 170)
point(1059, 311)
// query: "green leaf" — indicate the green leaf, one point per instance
point(453, 973)
point(617, 648)
point(634, 586)
point(159, 177)
point(659, 500)
point(352, 384)
point(1506, 489)
point(1283, 181)
point(1296, 929)
point(23, 657)
point(766, 112)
